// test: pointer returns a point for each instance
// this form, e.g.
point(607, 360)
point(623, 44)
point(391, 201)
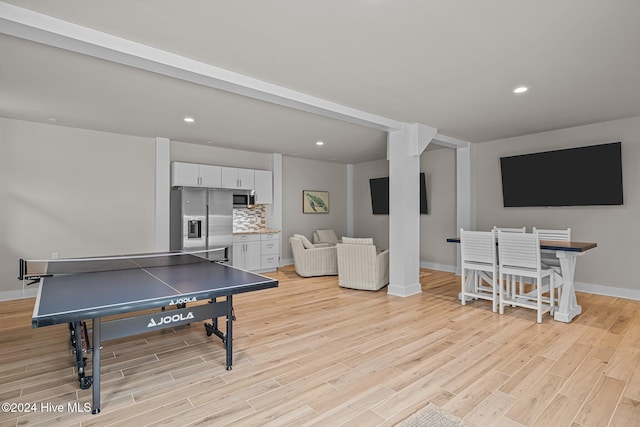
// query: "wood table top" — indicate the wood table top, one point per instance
point(553, 245)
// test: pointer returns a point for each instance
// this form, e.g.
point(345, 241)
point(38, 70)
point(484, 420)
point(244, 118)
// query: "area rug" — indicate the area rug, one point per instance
point(432, 416)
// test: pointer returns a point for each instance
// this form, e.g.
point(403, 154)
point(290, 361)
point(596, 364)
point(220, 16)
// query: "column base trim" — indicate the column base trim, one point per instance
point(404, 290)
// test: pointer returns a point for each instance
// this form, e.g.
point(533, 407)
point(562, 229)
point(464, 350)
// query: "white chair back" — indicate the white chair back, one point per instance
point(520, 256)
point(325, 236)
point(519, 250)
point(549, 258)
point(478, 247)
point(554, 235)
point(479, 264)
point(361, 266)
point(316, 261)
point(510, 230)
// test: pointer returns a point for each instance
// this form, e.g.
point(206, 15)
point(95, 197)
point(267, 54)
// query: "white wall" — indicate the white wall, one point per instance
point(211, 155)
point(615, 229)
point(365, 224)
point(300, 174)
point(71, 191)
point(439, 166)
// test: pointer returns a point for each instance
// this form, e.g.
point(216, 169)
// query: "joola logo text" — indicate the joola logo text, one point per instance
point(169, 319)
point(182, 300)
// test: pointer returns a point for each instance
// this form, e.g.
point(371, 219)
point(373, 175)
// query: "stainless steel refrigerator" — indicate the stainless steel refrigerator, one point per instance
point(202, 218)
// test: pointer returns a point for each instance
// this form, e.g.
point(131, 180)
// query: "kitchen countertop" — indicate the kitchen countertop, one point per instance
point(262, 231)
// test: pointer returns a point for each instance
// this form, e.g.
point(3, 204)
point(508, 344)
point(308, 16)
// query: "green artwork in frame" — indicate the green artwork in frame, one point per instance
point(315, 201)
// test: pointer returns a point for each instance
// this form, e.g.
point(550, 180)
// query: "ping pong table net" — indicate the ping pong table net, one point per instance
point(34, 270)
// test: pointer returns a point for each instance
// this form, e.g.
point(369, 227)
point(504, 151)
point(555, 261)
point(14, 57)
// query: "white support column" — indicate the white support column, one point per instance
point(349, 200)
point(403, 150)
point(162, 189)
point(465, 205)
point(274, 211)
point(464, 188)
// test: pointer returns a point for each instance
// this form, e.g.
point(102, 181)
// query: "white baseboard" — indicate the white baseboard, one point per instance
point(404, 291)
point(610, 291)
point(19, 294)
point(288, 261)
point(439, 267)
point(589, 288)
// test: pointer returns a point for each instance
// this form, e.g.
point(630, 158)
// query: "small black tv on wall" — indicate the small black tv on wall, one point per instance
point(380, 195)
point(582, 176)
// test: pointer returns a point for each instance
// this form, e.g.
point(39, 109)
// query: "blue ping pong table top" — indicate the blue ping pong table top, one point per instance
point(83, 296)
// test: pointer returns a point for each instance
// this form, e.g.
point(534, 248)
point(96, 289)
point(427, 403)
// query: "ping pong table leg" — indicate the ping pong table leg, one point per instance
point(229, 338)
point(76, 342)
point(96, 366)
point(78, 337)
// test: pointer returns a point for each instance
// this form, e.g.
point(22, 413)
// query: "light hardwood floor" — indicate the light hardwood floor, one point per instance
point(312, 353)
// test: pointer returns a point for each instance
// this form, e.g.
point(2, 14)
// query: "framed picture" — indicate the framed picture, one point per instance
point(315, 201)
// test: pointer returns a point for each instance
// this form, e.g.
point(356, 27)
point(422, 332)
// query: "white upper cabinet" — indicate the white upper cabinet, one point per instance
point(185, 174)
point(209, 176)
point(246, 177)
point(264, 187)
point(237, 178)
point(195, 175)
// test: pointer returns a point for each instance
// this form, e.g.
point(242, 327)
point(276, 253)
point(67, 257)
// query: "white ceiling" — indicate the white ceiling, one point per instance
point(448, 64)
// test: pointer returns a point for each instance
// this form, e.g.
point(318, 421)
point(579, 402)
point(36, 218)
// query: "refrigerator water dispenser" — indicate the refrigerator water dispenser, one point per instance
point(195, 229)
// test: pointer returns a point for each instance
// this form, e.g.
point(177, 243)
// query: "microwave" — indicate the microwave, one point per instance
point(244, 199)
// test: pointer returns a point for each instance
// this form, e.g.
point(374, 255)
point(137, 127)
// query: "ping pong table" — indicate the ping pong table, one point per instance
point(75, 291)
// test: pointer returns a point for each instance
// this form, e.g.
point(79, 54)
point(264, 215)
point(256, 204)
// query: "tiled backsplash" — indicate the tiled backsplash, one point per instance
point(245, 219)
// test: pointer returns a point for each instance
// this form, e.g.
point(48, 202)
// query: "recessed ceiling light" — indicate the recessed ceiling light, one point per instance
point(319, 143)
point(53, 119)
point(189, 119)
point(520, 89)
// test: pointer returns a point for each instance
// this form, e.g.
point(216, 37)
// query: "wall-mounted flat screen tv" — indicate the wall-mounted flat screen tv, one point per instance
point(582, 176)
point(379, 188)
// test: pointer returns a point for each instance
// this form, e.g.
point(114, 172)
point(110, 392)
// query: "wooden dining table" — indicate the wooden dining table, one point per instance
point(566, 252)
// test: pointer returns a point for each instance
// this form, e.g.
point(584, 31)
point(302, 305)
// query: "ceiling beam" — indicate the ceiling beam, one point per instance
point(447, 141)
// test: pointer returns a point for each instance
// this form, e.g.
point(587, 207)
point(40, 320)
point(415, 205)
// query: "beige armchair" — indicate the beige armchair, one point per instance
point(313, 260)
point(325, 236)
point(361, 266)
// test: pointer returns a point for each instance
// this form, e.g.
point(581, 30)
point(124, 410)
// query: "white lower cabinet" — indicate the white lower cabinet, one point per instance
point(270, 251)
point(246, 251)
point(256, 252)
